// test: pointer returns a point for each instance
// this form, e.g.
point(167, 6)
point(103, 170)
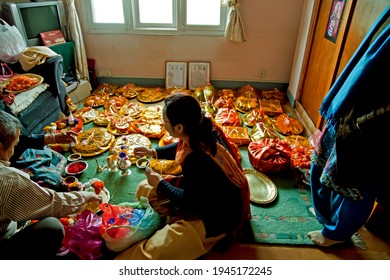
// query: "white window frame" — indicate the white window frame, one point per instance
point(132, 24)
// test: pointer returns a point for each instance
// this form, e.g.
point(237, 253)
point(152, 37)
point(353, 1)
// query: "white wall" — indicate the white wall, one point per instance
point(301, 48)
point(271, 28)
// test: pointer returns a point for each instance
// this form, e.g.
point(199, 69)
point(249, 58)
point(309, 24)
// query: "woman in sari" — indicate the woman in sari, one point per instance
point(207, 203)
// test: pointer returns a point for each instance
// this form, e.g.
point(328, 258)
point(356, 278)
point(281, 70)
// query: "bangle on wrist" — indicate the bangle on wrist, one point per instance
point(52, 138)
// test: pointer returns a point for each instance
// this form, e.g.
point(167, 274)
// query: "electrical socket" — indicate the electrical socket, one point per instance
point(262, 74)
point(103, 72)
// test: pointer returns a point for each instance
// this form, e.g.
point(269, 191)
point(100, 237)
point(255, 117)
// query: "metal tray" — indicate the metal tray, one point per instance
point(262, 189)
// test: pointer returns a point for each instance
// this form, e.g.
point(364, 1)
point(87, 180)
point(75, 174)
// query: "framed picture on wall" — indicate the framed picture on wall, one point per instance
point(198, 75)
point(334, 21)
point(176, 74)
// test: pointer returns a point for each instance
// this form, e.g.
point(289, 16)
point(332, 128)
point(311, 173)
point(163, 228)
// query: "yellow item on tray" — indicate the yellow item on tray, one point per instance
point(163, 166)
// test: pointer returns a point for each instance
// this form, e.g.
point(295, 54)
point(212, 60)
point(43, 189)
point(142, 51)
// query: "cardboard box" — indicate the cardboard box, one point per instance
point(81, 92)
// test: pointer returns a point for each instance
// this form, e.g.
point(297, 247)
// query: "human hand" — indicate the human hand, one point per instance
point(153, 177)
point(142, 151)
point(67, 137)
point(91, 197)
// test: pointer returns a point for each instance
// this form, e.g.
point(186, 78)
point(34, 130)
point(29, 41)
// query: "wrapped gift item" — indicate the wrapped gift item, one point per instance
point(237, 134)
point(206, 94)
point(254, 116)
point(227, 92)
point(245, 104)
point(271, 107)
point(228, 117)
point(224, 102)
point(263, 130)
point(297, 141)
point(300, 157)
point(105, 88)
point(269, 155)
point(274, 94)
point(248, 91)
point(287, 125)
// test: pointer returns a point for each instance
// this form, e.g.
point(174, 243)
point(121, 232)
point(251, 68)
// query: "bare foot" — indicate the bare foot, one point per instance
point(320, 240)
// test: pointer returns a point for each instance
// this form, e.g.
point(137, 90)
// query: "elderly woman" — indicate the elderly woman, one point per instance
point(22, 199)
point(207, 203)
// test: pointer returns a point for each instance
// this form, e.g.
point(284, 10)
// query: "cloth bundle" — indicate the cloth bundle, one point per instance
point(269, 155)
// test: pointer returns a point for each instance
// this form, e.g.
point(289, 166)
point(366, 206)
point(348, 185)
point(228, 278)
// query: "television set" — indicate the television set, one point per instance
point(32, 18)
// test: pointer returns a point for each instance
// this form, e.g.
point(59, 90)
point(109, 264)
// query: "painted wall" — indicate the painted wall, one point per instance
point(271, 28)
point(301, 49)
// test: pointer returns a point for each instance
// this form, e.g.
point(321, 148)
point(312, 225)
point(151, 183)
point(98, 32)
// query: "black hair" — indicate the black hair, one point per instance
point(184, 109)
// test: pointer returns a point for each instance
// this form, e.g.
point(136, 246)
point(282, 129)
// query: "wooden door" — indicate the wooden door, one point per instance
point(364, 15)
point(322, 61)
point(326, 59)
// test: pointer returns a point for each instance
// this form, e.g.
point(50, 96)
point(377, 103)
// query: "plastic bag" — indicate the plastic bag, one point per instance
point(123, 226)
point(12, 43)
point(83, 237)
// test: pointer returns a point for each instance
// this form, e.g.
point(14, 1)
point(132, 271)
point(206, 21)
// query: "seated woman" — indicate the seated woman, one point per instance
point(208, 202)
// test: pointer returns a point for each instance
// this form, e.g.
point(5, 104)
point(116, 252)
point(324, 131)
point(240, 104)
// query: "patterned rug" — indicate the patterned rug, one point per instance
point(287, 220)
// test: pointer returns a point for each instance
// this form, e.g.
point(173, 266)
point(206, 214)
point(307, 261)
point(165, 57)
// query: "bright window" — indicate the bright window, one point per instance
point(103, 13)
point(200, 17)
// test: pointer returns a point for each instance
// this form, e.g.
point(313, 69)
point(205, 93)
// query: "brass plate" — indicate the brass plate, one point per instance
point(29, 75)
point(109, 137)
point(262, 189)
point(151, 95)
point(130, 141)
point(86, 114)
point(111, 128)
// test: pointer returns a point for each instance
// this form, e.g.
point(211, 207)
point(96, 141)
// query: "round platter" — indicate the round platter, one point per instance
point(262, 189)
point(30, 76)
point(86, 114)
point(151, 95)
point(129, 142)
point(104, 136)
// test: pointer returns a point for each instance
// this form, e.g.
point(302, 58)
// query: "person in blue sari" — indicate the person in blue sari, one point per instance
point(349, 170)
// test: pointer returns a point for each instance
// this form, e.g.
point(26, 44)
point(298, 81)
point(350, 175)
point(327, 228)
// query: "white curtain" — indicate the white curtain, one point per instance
point(234, 30)
point(75, 34)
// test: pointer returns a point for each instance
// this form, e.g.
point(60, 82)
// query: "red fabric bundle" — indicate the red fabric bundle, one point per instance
point(269, 155)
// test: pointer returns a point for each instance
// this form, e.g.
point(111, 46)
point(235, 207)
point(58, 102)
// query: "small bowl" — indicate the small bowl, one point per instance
point(69, 180)
point(69, 183)
point(76, 167)
point(74, 157)
point(142, 163)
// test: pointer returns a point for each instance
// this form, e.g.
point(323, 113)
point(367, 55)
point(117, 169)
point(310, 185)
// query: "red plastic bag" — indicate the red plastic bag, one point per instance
point(114, 215)
point(83, 238)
